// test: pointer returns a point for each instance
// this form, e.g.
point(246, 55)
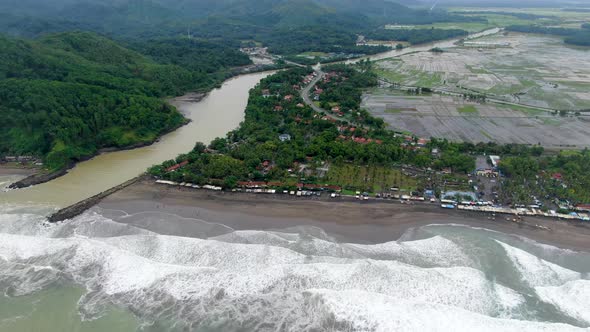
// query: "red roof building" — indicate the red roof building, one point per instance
point(422, 141)
point(177, 166)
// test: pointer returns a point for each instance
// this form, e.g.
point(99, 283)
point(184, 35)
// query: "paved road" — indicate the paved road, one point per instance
point(488, 98)
point(306, 98)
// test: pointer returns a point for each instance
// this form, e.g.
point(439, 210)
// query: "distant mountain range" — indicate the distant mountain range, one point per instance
point(141, 17)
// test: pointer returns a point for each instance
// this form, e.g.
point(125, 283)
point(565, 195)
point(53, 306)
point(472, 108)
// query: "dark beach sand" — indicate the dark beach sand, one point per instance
point(9, 170)
point(374, 221)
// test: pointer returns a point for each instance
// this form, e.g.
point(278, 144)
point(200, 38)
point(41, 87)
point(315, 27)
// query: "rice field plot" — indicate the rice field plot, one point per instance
point(533, 70)
point(455, 119)
point(369, 178)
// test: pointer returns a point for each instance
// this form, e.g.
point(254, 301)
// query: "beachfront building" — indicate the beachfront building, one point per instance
point(495, 160)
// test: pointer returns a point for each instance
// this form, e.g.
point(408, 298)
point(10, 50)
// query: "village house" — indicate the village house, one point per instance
point(495, 161)
point(435, 153)
point(336, 110)
point(422, 142)
point(177, 166)
point(285, 137)
point(20, 159)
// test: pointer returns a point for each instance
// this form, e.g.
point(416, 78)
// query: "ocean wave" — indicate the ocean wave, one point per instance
point(536, 271)
point(363, 311)
point(292, 280)
point(572, 298)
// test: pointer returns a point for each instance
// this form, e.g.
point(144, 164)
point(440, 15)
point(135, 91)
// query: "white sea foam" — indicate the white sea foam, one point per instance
point(269, 280)
point(536, 271)
point(194, 266)
point(365, 311)
point(572, 298)
point(435, 251)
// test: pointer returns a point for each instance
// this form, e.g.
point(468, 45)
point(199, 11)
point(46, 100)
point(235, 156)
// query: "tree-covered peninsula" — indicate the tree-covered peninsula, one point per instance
point(65, 96)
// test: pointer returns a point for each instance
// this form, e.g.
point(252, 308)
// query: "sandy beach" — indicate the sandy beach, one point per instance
point(373, 221)
point(9, 170)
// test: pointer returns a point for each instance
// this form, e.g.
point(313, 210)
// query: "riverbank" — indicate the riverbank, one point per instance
point(6, 169)
point(40, 176)
point(373, 221)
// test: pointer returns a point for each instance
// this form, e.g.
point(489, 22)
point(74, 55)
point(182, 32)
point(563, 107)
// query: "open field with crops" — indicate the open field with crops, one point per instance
point(372, 179)
point(502, 17)
point(528, 69)
point(457, 120)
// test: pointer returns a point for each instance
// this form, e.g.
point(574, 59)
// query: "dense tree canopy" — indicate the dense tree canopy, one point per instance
point(64, 96)
point(254, 151)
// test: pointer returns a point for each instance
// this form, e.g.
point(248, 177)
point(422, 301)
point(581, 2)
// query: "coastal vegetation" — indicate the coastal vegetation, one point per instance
point(284, 144)
point(318, 149)
point(562, 178)
point(64, 96)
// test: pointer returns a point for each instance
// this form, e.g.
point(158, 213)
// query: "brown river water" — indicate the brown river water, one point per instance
point(218, 113)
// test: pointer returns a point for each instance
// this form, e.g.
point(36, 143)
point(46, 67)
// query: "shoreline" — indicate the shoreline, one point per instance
point(12, 170)
point(375, 221)
point(40, 177)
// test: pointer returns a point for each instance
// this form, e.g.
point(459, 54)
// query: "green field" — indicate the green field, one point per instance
point(468, 109)
point(368, 178)
point(501, 20)
point(408, 76)
point(393, 111)
point(313, 54)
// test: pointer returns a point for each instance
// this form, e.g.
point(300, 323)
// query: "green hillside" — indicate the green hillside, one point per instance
point(286, 26)
point(64, 96)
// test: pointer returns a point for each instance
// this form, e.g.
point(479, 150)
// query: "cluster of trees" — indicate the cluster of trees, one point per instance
point(572, 36)
point(326, 38)
point(256, 142)
point(345, 89)
point(563, 176)
point(192, 54)
point(490, 148)
point(64, 96)
point(416, 36)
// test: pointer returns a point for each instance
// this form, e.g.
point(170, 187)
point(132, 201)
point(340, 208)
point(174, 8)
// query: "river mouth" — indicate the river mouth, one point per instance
point(218, 113)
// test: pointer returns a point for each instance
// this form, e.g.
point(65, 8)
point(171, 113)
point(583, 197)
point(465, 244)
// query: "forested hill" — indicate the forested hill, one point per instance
point(64, 96)
point(286, 26)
